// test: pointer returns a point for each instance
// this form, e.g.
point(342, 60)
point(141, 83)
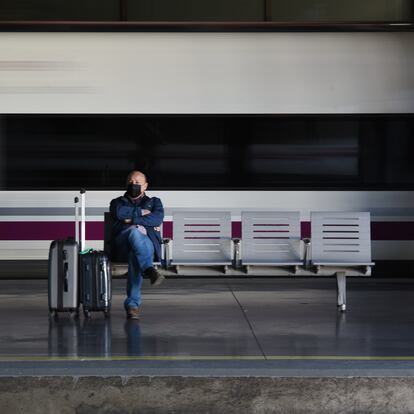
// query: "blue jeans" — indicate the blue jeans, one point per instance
point(140, 257)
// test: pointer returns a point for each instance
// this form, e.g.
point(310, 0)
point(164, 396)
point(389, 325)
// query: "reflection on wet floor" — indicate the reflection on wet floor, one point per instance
point(73, 337)
point(80, 338)
point(133, 333)
point(262, 318)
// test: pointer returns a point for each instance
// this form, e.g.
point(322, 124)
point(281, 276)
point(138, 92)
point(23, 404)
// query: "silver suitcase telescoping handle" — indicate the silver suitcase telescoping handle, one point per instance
point(77, 220)
point(83, 219)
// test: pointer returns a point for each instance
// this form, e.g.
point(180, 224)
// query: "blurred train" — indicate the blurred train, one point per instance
point(225, 121)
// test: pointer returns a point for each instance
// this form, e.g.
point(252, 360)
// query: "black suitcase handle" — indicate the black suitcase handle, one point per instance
point(66, 278)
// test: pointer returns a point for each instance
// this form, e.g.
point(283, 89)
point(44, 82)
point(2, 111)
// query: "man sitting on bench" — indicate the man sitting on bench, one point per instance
point(136, 237)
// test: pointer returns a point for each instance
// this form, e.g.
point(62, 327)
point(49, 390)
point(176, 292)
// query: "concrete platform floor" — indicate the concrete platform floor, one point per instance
point(221, 327)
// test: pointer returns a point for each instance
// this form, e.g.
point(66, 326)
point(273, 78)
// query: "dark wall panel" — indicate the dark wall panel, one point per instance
point(196, 10)
point(59, 10)
point(353, 10)
point(212, 10)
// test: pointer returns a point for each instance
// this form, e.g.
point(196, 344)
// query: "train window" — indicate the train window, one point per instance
point(306, 160)
point(308, 149)
point(60, 10)
point(397, 153)
point(339, 10)
point(207, 152)
point(196, 10)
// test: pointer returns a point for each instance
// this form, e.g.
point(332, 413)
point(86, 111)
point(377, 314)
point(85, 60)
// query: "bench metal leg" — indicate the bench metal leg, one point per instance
point(341, 290)
point(166, 251)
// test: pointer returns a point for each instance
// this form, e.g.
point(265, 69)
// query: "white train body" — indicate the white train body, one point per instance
point(207, 73)
point(204, 73)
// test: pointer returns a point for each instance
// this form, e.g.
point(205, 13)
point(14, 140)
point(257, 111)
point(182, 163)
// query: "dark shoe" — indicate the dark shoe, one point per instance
point(132, 313)
point(155, 277)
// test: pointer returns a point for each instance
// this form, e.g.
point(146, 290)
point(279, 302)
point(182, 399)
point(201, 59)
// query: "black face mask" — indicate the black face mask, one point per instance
point(133, 190)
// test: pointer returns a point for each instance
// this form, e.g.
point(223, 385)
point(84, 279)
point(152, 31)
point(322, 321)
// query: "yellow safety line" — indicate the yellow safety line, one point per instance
point(129, 358)
point(13, 358)
point(342, 358)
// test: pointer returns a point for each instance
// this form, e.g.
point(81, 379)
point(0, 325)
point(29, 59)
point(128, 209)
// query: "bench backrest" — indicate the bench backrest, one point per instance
point(201, 237)
point(270, 237)
point(341, 237)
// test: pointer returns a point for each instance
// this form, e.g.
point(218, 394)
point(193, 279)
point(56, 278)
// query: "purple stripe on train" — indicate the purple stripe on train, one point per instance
point(47, 230)
point(50, 230)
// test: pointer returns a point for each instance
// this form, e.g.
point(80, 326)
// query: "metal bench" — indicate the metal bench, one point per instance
point(341, 244)
point(271, 238)
point(201, 238)
point(271, 244)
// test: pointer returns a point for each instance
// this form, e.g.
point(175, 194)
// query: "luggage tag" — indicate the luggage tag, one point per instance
point(86, 251)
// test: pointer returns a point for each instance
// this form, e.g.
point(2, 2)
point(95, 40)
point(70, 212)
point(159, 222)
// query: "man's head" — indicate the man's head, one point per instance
point(136, 183)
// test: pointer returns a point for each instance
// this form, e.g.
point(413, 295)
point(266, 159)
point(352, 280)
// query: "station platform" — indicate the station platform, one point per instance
point(265, 335)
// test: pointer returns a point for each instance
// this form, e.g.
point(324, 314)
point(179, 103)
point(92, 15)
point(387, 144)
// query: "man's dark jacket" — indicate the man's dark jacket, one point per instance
point(122, 208)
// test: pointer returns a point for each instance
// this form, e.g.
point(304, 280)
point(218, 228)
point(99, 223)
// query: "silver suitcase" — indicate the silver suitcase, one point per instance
point(63, 285)
point(63, 277)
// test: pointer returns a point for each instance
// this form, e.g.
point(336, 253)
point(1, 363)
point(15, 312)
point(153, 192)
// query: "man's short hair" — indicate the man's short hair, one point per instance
point(134, 172)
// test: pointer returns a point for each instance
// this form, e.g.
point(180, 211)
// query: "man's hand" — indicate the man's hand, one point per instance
point(128, 221)
point(157, 228)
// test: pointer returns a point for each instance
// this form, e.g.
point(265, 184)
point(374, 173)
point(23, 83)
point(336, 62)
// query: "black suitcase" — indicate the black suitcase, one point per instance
point(63, 291)
point(95, 282)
